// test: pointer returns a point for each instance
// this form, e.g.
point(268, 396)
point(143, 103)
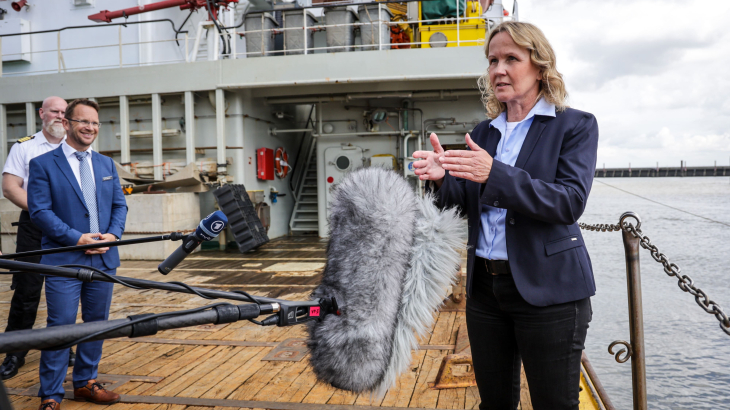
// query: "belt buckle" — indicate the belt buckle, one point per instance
point(486, 265)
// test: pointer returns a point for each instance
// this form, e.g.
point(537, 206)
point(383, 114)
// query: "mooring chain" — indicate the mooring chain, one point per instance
point(600, 227)
point(684, 282)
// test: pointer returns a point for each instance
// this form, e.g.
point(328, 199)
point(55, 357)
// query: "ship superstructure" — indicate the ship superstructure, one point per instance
point(231, 86)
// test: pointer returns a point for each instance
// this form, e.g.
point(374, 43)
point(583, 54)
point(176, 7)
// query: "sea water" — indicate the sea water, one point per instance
point(687, 354)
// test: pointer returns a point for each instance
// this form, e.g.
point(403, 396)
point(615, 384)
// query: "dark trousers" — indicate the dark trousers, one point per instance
point(27, 286)
point(506, 331)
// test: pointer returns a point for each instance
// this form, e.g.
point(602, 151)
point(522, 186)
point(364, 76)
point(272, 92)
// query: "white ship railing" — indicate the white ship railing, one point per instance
point(191, 43)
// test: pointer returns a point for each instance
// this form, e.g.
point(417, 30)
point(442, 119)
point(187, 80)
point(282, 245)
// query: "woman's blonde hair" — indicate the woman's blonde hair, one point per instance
point(527, 35)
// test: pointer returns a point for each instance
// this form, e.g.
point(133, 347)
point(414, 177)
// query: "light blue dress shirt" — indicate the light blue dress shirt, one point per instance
point(492, 242)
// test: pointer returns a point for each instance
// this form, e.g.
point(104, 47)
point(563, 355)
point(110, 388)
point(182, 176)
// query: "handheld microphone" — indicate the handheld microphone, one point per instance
point(208, 229)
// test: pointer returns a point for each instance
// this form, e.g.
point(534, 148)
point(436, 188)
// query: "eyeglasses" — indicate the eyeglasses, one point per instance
point(86, 123)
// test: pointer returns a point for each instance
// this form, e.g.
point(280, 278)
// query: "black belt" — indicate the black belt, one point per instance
point(495, 267)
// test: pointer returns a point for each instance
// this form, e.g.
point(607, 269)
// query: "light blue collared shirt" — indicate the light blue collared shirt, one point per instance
point(492, 242)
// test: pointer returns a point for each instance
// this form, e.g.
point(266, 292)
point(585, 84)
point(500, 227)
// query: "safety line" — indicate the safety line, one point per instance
point(662, 204)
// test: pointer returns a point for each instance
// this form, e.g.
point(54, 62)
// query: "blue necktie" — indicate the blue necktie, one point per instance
point(89, 189)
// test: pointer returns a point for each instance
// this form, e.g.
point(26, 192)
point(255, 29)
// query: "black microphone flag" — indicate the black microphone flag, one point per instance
point(390, 259)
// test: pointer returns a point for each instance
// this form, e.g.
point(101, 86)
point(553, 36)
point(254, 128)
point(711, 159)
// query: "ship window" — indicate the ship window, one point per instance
point(437, 40)
point(342, 163)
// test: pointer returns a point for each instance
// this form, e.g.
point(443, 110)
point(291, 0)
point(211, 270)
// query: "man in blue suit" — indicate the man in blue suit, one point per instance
point(75, 197)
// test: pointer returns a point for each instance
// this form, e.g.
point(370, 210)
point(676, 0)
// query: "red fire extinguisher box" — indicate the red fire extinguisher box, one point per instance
point(265, 163)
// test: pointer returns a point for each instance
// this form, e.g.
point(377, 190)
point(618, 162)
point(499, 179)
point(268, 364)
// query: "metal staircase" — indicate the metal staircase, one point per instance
point(305, 218)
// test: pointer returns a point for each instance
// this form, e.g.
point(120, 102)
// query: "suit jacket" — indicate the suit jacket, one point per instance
point(544, 194)
point(56, 205)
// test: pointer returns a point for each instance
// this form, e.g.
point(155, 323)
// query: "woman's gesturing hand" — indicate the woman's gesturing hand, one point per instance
point(474, 165)
point(429, 168)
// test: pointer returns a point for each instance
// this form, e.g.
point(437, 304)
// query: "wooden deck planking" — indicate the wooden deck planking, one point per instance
point(319, 394)
point(260, 379)
point(153, 352)
point(451, 398)
point(228, 387)
point(343, 397)
point(401, 394)
point(193, 373)
point(236, 372)
point(423, 395)
point(300, 387)
point(282, 382)
point(443, 331)
point(221, 373)
point(472, 398)
point(166, 359)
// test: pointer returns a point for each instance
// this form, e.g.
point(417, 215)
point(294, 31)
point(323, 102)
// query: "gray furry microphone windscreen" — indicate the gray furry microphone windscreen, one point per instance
point(390, 260)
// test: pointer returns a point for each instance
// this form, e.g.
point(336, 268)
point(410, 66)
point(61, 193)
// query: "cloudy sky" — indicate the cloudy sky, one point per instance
point(656, 74)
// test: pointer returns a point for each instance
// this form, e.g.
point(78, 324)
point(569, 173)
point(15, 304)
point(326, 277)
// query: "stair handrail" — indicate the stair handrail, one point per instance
point(299, 185)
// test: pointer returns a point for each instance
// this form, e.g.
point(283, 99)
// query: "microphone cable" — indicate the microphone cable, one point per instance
point(185, 285)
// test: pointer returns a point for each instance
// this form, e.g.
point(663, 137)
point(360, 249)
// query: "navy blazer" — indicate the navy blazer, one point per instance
point(544, 194)
point(56, 205)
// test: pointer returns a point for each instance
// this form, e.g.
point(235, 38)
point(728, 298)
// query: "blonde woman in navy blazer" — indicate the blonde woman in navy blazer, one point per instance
point(523, 183)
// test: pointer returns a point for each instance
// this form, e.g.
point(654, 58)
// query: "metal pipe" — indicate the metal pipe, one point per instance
point(28, 33)
point(304, 32)
point(273, 131)
point(135, 150)
point(121, 60)
point(30, 118)
point(351, 80)
point(59, 55)
point(349, 97)
point(636, 315)
point(319, 119)
point(458, 38)
point(220, 122)
point(95, 143)
point(453, 132)
point(106, 16)
point(239, 137)
point(157, 136)
point(405, 153)
point(3, 133)
point(364, 96)
point(305, 100)
point(189, 127)
point(124, 131)
point(322, 223)
point(367, 134)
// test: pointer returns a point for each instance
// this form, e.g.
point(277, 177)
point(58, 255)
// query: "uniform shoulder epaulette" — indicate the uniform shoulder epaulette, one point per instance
point(28, 138)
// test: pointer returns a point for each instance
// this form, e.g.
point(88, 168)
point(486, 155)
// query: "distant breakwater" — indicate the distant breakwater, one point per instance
point(711, 171)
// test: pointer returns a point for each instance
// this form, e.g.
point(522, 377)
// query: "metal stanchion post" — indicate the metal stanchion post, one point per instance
point(636, 320)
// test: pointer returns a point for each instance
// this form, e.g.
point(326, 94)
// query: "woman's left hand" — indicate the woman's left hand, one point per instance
point(474, 165)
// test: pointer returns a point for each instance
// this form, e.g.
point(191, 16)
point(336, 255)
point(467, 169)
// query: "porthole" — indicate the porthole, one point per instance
point(343, 163)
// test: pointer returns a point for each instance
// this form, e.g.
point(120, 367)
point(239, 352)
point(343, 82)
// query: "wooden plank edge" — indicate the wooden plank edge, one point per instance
point(239, 343)
point(199, 402)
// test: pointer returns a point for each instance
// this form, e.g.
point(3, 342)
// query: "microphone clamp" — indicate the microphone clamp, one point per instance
point(294, 313)
point(176, 236)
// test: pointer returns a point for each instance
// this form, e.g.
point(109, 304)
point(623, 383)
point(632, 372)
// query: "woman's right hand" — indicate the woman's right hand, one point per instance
point(429, 168)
